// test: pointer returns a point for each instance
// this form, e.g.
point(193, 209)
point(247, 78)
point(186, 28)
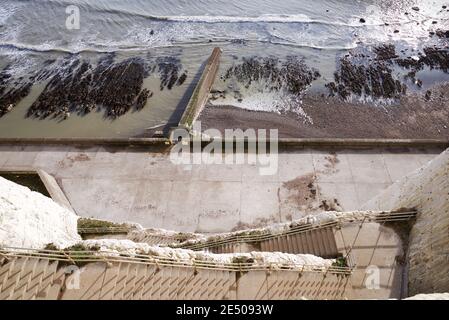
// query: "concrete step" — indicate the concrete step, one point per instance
point(217, 285)
point(52, 282)
point(83, 282)
point(5, 269)
point(280, 285)
point(141, 276)
point(310, 243)
point(320, 242)
point(131, 281)
point(185, 275)
point(312, 286)
point(29, 269)
point(11, 277)
point(152, 286)
point(164, 285)
point(40, 287)
point(173, 284)
point(121, 280)
point(34, 284)
point(34, 278)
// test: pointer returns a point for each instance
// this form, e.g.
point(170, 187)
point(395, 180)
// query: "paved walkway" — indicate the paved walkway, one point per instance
point(145, 187)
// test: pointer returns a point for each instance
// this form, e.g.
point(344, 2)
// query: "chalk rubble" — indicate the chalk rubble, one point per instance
point(31, 220)
point(430, 296)
point(275, 260)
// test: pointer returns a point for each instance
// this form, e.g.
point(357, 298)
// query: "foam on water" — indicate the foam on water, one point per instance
point(116, 25)
point(6, 11)
point(258, 98)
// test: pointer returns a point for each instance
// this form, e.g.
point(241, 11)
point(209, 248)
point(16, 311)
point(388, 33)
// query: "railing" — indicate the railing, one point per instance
point(75, 257)
point(249, 238)
point(104, 230)
point(176, 237)
point(395, 216)
point(244, 237)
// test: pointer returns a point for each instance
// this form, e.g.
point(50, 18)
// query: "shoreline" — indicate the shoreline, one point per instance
point(414, 117)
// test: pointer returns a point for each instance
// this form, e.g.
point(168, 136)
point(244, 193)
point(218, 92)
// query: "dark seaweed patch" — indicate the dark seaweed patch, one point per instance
point(11, 92)
point(169, 71)
point(292, 74)
point(79, 87)
point(76, 86)
point(368, 75)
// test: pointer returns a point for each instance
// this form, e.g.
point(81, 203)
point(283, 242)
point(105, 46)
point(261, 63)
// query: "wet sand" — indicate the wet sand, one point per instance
point(416, 115)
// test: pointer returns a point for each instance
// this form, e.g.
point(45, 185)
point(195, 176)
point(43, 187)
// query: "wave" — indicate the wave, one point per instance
point(265, 18)
point(276, 18)
point(48, 49)
point(59, 50)
point(211, 19)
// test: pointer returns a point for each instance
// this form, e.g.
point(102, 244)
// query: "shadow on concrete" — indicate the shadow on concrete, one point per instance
point(179, 110)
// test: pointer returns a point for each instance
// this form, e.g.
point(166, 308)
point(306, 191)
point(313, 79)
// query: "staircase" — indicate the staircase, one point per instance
point(33, 274)
point(37, 275)
point(26, 278)
point(319, 242)
point(318, 239)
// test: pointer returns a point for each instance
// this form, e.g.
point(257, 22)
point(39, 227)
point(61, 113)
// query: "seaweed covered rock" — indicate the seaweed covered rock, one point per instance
point(11, 92)
point(374, 80)
point(373, 74)
point(442, 33)
point(432, 57)
point(169, 69)
point(292, 74)
point(78, 87)
point(144, 95)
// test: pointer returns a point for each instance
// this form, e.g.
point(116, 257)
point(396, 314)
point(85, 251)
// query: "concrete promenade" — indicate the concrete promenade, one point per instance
point(142, 185)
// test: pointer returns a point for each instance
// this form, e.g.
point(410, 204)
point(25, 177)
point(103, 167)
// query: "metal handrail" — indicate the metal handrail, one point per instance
point(251, 238)
point(248, 238)
point(244, 237)
point(105, 256)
